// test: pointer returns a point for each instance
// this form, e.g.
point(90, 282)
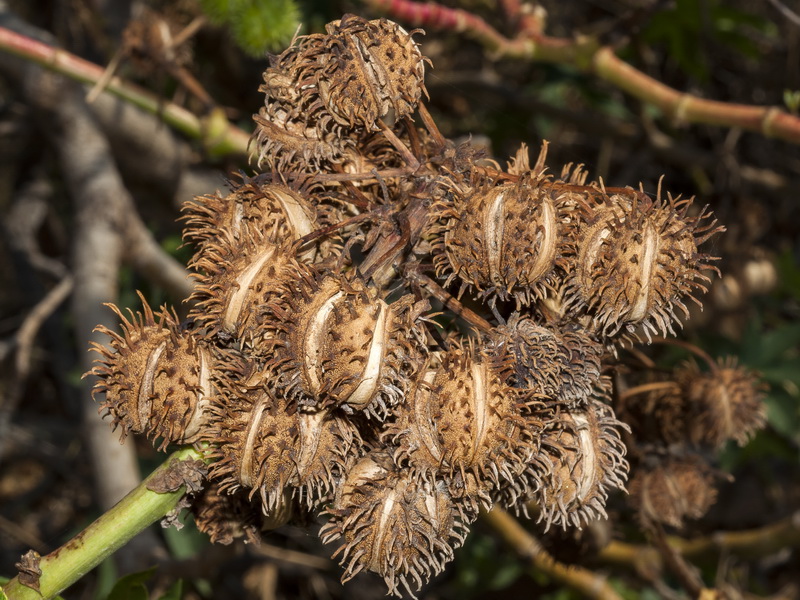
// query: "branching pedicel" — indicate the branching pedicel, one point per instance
point(309, 364)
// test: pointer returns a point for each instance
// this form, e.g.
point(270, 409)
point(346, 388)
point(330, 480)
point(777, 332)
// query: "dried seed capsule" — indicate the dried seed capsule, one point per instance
point(402, 528)
point(660, 415)
point(676, 488)
point(250, 216)
point(638, 260)
point(158, 380)
point(342, 345)
point(463, 420)
point(263, 443)
point(723, 404)
point(558, 366)
point(226, 517)
point(370, 68)
point(237, 288)
point(326, 85)
point(287, 140)
point(503, 241)
point(587, 459)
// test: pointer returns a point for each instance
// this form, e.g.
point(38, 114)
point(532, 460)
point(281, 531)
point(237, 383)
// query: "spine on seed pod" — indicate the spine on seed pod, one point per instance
point(342, 345)
point(260, 441)
point(638, 261)
point(463, 425)
point(396, 525)
point(158, 379)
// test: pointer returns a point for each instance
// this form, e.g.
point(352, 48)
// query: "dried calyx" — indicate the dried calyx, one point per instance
point(310, 366)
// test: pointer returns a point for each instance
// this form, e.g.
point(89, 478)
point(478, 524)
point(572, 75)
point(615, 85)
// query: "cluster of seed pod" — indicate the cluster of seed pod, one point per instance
point(312, 366)
point(674, 422)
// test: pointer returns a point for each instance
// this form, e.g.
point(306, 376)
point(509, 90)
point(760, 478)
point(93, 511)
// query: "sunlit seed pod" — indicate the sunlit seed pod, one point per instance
point(362, 70)
point(233, 290)
point(725, 403)
point(261, 442)
point(463, 420)
point(587, 460)
point(674, 489)
point(503, 241)
point(285, 139)
point(370, 69)
point(342, 345)
point(251, 215)
point(558, 366)
point(157, 379)
point(388, 522)
point(638, 262)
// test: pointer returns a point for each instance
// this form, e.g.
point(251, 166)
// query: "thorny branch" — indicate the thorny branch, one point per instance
point(587, 54)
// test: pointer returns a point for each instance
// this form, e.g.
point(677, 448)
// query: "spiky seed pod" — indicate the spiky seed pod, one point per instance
point(263, 443)
point(725, 403)
point(342, 345)
point(504, 241)
point(226, 517)
point(157, 379)
point(402, 528)
point(287, 140)
point(674, 489)
point(251, 215)
point(658, 416)
point(463, 420)
point(587, 460)
point(372, 68)
point(326, 85)
point(234, 290)
point(638, 261)
point(559, 366)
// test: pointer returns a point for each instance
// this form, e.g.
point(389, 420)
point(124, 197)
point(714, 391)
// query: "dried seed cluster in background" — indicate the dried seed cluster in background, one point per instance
point(314, 366)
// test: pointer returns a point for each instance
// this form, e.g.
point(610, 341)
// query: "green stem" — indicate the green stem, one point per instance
point(135, 512)
point(219, 137)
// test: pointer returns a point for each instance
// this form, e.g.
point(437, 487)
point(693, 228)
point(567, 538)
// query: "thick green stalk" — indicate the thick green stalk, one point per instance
point(136, 511)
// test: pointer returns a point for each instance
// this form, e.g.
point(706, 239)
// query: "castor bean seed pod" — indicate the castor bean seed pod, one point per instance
point(262, 442)
point(463, 420)
point(250, 216)
point(369, 70)
point(226, 517)
point(342, 345)
point(502, 241)
point(400, 527)
point(638, 262)
point(673, 489)
point(235, 289)
point(587, 460)
point(287, 139)
point(558, 366)
point(725, 403)
point(157, 379)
